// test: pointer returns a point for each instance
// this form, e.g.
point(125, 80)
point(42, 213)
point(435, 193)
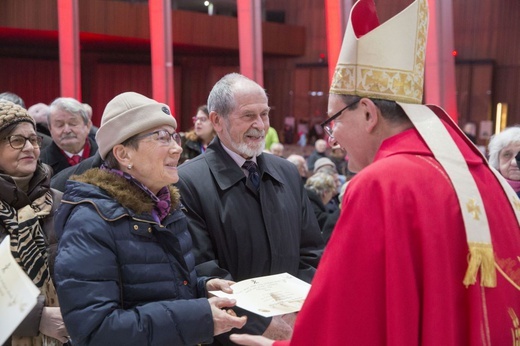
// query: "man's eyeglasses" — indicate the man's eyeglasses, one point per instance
point(162, 136)
point(201, 119)
point(18, 141)
point(328, 125)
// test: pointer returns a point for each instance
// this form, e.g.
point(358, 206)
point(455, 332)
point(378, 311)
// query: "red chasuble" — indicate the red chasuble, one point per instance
point(392, 271)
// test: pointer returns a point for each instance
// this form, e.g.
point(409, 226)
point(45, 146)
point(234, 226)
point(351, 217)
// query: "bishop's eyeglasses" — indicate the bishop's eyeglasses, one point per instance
point(328, 125)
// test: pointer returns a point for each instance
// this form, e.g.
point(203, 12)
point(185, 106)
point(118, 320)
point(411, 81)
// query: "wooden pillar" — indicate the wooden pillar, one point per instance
point(250, 39)
point(162, 53)
point(440, 88)
point(70, 68)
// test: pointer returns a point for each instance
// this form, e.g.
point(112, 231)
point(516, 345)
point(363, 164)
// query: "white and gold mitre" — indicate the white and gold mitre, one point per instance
point(383, 61)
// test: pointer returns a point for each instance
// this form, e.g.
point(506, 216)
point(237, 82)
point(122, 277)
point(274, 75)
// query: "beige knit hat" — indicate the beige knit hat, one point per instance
point(128, 114)
point(11, 113)
point(323, 162)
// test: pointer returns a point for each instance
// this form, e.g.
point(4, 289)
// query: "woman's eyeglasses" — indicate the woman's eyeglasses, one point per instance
point(18, 141)
point(162, 136)
point(201, 119)
point(328, 125)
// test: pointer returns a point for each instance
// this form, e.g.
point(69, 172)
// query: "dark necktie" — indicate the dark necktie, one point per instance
point(254, 177)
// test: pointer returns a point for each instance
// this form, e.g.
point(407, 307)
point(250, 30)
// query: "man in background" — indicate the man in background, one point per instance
point(9, 96)
point(320, 150)
point(69, 125)
point(301, 164)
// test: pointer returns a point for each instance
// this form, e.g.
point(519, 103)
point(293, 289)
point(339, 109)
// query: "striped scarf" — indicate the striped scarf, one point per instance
point(27, 241)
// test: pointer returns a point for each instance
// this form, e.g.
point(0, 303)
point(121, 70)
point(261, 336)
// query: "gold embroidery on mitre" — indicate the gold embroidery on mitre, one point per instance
point(473, 209)
point(344, 79)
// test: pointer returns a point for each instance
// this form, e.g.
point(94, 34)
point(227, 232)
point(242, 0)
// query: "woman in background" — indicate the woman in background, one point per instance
point(27, 207)
point(321, 188)
point(503, 151)
point(195, 142)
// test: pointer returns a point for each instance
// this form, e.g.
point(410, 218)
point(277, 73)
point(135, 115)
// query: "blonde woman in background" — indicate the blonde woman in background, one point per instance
point(321, 188)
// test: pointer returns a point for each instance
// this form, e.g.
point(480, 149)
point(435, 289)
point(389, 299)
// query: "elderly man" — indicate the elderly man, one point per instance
point(426, 249)
point(277, 149)
point(248, 212)
point(69, 125)
point(301, 164)
point(44, 132)
point(40, 113)
point(320, 150)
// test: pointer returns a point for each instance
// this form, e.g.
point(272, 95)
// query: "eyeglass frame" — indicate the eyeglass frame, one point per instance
point(172, 136)
point(38, 144)
point(201, 119)
point(325, 125)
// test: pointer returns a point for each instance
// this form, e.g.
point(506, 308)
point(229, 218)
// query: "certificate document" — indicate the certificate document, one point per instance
point(269, 295)
point(17, 292)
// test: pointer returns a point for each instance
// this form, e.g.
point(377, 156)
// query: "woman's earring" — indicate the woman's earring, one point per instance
point(129, 166)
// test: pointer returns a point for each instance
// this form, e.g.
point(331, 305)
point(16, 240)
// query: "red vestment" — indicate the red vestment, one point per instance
point(392, 271)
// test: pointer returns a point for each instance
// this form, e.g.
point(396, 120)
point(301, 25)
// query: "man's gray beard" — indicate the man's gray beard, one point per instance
point(247, 151)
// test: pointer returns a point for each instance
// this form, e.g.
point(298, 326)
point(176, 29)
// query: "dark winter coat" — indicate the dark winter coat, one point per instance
point(313, 157)
point(59, 181)
point(326, 219)
point(53, 156)
point(241, 234)
point(190, 147)
point(123, 278)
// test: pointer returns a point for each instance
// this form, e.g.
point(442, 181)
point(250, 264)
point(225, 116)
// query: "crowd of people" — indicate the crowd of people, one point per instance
point(126, 228)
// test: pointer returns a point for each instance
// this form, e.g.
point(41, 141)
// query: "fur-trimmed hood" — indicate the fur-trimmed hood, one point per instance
point(124, 192)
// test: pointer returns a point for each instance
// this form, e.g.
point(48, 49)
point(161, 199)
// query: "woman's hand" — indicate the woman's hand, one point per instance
point(51, 324)
point(225, 319)
point(219, 285)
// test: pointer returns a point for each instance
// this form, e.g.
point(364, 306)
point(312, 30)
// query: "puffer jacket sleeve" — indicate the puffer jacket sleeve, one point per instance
point(87, 279)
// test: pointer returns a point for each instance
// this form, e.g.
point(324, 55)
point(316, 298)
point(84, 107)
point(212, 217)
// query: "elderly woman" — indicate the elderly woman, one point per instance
point(25, 195)
point(195, 142)
point(503, 149)
point(124, 270)
point(321, 188)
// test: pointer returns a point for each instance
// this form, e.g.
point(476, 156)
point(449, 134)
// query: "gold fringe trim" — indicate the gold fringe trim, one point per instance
point(481, 257)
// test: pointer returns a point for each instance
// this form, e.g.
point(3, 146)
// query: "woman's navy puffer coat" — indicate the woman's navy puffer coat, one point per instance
point(122, 278)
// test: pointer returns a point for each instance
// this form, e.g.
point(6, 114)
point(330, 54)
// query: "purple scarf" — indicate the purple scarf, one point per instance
point(162, 201)
point(515, 184)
